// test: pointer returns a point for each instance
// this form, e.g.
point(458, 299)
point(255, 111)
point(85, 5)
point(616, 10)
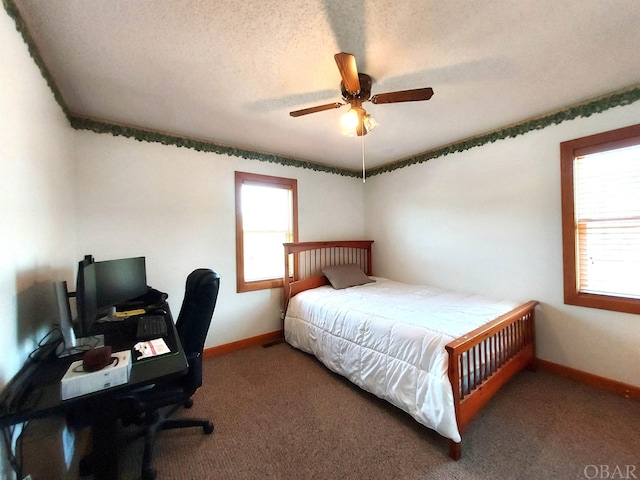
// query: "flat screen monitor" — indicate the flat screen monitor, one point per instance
point(119, 280)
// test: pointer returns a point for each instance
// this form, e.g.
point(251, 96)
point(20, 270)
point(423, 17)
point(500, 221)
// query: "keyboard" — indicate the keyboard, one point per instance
point(150, 327)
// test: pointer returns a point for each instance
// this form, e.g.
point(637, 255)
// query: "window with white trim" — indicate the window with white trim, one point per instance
point(600, 177)
point(266, 217)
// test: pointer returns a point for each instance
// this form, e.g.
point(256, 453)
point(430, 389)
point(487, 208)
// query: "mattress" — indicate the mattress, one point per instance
point(389, 339)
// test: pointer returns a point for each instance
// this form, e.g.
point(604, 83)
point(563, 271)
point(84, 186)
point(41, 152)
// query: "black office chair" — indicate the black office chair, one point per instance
point(153, 407)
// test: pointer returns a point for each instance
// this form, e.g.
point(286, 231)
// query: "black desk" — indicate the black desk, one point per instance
point(42, 397)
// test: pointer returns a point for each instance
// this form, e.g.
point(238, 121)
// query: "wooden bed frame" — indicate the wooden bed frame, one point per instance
point(492, 353)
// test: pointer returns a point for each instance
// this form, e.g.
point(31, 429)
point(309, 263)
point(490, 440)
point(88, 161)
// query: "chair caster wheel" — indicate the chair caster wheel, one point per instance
point(208, 429)
point(149, 474)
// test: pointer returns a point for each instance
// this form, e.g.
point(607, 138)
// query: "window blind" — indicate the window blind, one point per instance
point(607, 209)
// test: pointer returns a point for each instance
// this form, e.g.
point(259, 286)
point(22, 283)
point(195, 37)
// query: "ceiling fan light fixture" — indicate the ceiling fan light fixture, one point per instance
point(355, 121)
point(351, 119)
point(369, 122)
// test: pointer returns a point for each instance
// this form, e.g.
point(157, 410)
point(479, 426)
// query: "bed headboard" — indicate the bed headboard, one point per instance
point(304, 261)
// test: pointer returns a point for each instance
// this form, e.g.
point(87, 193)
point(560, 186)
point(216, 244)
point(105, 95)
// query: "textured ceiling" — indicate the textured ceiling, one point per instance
point(230, 71)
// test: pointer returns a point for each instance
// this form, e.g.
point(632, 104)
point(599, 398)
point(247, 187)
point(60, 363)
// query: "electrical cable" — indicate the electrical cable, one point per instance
point(14, 461)
point(42, 344)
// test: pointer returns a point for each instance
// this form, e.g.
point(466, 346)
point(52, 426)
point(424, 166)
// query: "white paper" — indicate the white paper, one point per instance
point(151, 348)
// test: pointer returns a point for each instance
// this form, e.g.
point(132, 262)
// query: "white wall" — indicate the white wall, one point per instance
point(36, 201)
point(36, 206)
point(488, 221)
point(177, 207)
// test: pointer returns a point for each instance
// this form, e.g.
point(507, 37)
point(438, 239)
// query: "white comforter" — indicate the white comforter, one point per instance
point(388, 338)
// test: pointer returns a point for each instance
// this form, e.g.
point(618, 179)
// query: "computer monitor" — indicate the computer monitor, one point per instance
point(101, 285)
point(119, 280)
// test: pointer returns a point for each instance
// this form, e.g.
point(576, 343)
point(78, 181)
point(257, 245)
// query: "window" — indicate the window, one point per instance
point(266, 217)
point(600, 180)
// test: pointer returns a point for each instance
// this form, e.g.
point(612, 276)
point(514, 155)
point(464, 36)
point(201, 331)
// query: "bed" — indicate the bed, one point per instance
point(436, 354)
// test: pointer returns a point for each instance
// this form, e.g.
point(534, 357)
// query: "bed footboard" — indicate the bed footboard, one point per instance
point(486, 358)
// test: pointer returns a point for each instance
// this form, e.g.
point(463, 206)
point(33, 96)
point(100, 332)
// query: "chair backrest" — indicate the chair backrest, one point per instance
point(200, 297)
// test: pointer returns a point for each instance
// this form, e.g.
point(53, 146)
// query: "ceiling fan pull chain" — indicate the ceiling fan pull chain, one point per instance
point(363, 169)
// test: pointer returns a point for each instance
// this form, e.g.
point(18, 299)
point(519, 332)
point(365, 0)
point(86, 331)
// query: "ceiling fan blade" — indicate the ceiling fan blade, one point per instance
point(415, 95)
point(319, 108)
point(348, 71)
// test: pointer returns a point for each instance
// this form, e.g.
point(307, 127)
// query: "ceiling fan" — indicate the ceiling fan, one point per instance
point(356, 89)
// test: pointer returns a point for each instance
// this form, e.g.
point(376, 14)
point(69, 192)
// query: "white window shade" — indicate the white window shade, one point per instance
point(607, 209)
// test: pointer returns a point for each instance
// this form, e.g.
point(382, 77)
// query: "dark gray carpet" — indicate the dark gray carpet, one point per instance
point(279, 414)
